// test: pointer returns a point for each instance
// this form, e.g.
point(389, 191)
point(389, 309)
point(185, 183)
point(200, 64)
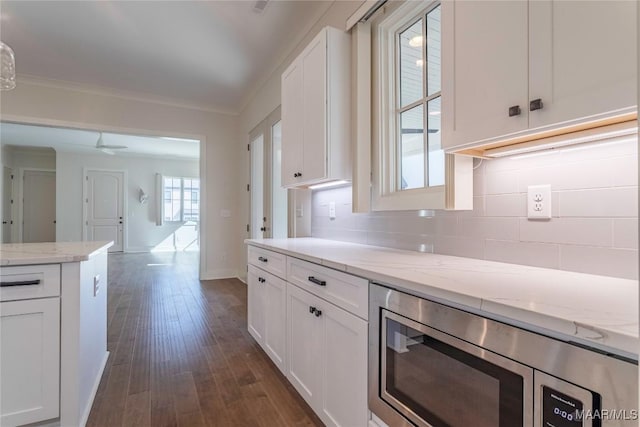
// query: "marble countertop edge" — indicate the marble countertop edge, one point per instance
point(15, 254)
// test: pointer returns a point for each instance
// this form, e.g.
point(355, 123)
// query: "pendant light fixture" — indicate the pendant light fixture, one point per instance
point(7, 68)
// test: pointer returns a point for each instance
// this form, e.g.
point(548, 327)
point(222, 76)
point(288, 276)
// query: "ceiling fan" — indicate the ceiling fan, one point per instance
point(107, 148)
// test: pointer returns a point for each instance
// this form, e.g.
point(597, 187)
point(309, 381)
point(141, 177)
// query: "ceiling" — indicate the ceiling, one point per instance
point(205, 53)
point(83, 141)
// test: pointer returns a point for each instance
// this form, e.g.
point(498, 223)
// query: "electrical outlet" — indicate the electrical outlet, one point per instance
point(96, 285)
point(539, 202)
point(332, 210)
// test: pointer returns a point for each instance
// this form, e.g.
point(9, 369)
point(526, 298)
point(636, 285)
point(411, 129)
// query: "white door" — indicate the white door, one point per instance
point(279, 200)
point(304, 343)
point(7, 204)
point(255, 304)
point(314, 123)
point(485, 55)
point(105, 210)
point(292, 133)
point(583, 58)
point(29, 361)
point(344, 375)
point(39, 206)
point(257, 227)
point(275, 314)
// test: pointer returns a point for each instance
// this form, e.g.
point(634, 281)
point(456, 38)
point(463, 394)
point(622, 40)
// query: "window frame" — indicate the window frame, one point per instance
point(182, 200)
point(386, 195)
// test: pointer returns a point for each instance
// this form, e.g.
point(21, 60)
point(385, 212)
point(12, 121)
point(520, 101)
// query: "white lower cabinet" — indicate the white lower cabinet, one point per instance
point(327, 358)
point(29, 361)
point(267, 311)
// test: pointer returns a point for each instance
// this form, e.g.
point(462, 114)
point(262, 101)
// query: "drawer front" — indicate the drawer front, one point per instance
point(29, 281)
point(270, 261)
point(344, 290)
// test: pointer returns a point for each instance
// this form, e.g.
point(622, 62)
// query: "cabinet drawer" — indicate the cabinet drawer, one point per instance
point(344, 290)
point(29, 281)
point(272, 262)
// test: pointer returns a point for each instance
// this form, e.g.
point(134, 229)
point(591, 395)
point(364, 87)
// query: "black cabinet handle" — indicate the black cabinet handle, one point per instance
point(318, 313)
point(261, 280)
point(317, 281)
point(536, 104)
point(297, 174)
point(263, 228)
point(312, 309)
point(4, 222)
point(514, 111)
point(263, 259)
point(20, 283)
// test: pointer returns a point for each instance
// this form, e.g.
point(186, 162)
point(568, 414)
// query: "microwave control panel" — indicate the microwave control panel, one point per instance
point(561, 410)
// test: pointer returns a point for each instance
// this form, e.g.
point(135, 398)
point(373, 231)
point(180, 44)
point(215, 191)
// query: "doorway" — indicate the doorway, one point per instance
point(268, 200)
point(104, 207)
point(38, 206)
point(7, 204)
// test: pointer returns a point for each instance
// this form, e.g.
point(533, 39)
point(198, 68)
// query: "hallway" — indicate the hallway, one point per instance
point(181, 354)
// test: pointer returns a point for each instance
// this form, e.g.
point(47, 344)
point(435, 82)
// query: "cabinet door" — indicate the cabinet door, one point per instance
point(344, 368)
point(314, 93)
point(583, 58)
point(255, 304)
point(29, 361)
point(485, 61)
point(292, 114)
point(275, 303)
point(303, 343)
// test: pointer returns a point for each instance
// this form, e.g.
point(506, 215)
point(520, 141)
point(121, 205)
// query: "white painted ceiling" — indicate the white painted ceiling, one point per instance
point(83, 141)
point(205, 53)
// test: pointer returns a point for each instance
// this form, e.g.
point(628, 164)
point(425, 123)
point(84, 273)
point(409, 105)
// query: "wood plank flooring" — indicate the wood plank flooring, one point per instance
point(181, 354)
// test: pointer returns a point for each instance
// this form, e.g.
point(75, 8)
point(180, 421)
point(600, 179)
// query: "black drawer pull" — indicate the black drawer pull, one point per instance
point(261, 280)
point(21, 283)
point(317, 281)
point(312, 309)
point(514, 111)
point(263, 259)
point(536, 104)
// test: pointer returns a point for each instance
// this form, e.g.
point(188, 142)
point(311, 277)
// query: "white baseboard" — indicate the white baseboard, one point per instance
point(222, 273)
point(94, 390)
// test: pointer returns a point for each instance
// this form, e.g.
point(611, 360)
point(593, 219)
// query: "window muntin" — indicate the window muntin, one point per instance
point(181, 199)
point(420, 159)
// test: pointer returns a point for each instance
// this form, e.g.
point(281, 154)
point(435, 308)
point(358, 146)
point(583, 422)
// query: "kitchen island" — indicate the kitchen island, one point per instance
point(53, 323)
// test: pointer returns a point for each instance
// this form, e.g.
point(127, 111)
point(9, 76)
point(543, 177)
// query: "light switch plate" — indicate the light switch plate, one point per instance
point(332, 210)
point(539, 202)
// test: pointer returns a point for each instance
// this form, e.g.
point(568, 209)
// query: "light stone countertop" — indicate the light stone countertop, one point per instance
point(597, 311)
point(49, 253)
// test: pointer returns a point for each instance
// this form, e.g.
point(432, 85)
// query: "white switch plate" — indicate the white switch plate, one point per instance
point(539, 201)
point(332, 210)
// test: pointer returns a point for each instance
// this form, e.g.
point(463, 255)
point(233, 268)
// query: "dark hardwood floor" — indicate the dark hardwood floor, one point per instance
point(181, 354)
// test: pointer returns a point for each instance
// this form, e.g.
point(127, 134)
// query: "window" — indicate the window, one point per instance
point(409, 162)
point(181, 199)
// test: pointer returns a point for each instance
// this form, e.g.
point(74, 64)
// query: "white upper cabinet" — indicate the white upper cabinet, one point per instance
point(316, 112)
point(521, 68)
point(583, 59)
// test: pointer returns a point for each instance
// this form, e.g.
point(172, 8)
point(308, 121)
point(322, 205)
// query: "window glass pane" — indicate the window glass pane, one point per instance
point(191, 200)
point(412, 148)
point(171, 199)
point(433, 51)
point(411, 64)
point(434, 135)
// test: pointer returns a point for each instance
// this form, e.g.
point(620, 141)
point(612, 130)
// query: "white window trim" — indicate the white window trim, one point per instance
point(162, 199)
point(458, 170)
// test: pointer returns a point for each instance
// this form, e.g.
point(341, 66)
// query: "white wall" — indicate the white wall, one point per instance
point(42, 102)
point(593, 229)
point(143, 234)
point(267, 99)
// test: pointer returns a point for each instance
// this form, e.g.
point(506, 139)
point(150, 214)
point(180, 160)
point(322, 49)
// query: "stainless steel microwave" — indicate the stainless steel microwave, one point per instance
point(431, 365)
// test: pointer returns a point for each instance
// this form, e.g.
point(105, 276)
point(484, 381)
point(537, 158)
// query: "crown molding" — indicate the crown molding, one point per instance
point(116, 93)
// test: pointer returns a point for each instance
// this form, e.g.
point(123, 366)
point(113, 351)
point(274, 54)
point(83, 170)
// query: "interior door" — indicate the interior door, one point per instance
point(39, 206)
point(105, 207)
point(258, 219)
point(7, 204)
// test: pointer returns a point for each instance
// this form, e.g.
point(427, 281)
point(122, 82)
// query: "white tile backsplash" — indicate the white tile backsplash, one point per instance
point(593, 229)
